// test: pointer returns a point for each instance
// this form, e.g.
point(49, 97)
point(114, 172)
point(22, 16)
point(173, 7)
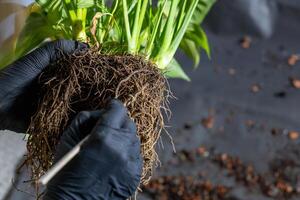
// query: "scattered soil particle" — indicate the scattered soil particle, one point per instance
point(276, 131)
point(185, 188)
point(293, 59)
point(277, 183)
point(255, 88)
point(231, 71)
point(242, 173)
point(201, 151)
point(187, 126)
point(281, 94)
point(280, 182)
point(295, 83)
point(293, 135)
point(245, 42)
point(283, 186)
point(271, 191)
point(250, 123)
point(208, 122)
point(185, 155)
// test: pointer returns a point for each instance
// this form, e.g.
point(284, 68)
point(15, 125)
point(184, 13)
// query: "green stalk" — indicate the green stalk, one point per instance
point(79, 25)
point(176, 42)
point(83, 31)
point(165, 55)
point(71, 13)
point(132, 43)
point(169, 31)
point(155, 30)
point(182, 13)
point(78, 20)
point(126, 21)
point(133, 3)
point(99, 31)
point(105, 33)
point(101, 34)
point(141, 21)
point(133, 46)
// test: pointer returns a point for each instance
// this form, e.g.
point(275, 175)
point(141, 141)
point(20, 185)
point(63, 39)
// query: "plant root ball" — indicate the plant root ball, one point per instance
point(86, 81)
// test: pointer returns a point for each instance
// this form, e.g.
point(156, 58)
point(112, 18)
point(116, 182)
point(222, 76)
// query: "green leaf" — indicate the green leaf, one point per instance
point(190, 49)
point(6, 57)
point(201, 11)
point(132, 4)
point(45, 4)
point(204, 41)
point(198, 36)
point(50, 5)
point(195, 38)
point(35, 31)
point(174, 70)
point(54, 9)
point(86, 3)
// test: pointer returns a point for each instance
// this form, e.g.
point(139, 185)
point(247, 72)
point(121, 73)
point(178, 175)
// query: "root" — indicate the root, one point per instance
point(87, 82)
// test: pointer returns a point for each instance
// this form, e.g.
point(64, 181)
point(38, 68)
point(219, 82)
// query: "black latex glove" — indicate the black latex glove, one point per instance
point(109, 164)
point(18, 83)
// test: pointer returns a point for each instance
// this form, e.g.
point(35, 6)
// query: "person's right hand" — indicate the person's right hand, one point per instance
point(19, 83)
point(109, 165)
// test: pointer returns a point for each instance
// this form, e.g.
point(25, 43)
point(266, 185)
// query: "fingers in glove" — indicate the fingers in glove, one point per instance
point(114, 116)
point(129, 125)
point(58, 47)
point(81, 126)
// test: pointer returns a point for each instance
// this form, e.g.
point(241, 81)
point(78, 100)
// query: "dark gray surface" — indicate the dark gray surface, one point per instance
point(212, 88)
point(255, 17)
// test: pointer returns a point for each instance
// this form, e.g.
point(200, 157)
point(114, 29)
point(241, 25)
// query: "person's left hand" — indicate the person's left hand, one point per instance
point(19, 85)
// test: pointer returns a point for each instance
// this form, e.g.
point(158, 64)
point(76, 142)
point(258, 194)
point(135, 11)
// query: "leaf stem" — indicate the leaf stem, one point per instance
point(132, 43)
point(176, 42)
point(166, 53)
point(126, 20)
point(155, 30)
point(169, 30)
point(182, 15)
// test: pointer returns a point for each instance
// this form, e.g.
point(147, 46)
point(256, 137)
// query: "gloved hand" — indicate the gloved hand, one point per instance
point(109, 165)
point(19, 85)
